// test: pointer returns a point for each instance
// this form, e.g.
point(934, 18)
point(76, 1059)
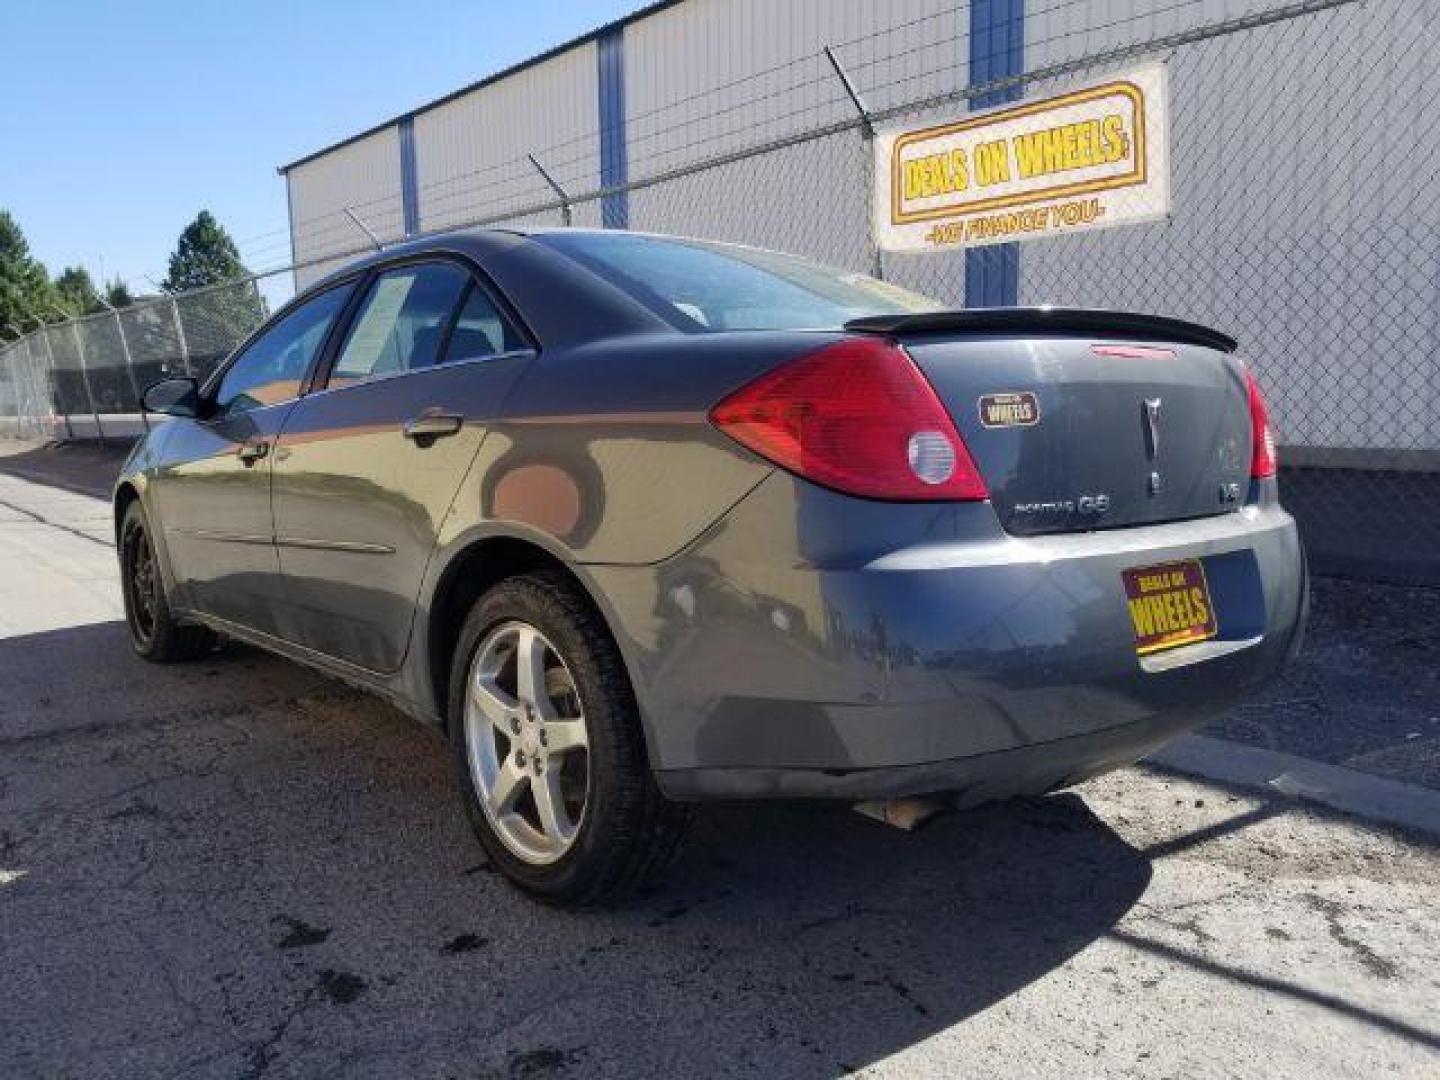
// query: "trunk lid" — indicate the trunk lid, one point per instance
point(1082, 420)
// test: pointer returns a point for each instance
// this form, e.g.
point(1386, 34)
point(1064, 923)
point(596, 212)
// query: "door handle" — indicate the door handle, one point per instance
point(252, 452)
point(431, 425)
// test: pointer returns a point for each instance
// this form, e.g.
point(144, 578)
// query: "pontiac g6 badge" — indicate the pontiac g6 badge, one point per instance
point(1015, 409)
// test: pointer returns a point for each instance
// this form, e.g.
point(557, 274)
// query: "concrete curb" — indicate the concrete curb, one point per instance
point(1374, 798)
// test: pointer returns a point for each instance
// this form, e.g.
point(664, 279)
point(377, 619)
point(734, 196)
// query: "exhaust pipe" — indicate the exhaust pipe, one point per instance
point(907, 814)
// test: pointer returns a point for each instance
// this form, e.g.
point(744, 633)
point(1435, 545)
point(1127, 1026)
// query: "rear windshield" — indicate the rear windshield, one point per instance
point(699, 285)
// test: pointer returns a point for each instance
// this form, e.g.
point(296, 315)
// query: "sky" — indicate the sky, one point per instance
point(119, 121)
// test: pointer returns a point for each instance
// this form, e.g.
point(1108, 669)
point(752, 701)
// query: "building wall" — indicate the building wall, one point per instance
point(471, 152)
point(711, 77)
point(1300, 224)
point(1278, 215)
point(364, 175)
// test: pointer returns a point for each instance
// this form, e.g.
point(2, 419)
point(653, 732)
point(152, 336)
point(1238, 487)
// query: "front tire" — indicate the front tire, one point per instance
point(547, 743)
point(155, 635)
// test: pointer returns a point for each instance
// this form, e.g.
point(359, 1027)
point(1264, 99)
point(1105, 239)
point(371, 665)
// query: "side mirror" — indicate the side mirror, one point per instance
point(173, 397)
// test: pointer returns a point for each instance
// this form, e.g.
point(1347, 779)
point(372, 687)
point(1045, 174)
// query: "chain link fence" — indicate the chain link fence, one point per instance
point(1304, 142)
point(83, 378)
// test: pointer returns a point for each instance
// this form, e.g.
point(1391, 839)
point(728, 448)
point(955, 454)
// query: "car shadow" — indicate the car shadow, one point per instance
point(80, 466)
point(235, 866)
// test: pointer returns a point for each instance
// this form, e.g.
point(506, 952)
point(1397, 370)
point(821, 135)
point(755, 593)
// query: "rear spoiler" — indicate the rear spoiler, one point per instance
point(1047, 320)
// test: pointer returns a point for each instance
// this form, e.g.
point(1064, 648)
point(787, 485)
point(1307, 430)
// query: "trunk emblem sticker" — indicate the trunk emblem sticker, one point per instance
point(1152, 427)
point(1019, 408)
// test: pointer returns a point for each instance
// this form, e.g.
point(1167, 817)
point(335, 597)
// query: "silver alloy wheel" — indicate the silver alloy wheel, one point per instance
point(526, 741)
point(144, 585)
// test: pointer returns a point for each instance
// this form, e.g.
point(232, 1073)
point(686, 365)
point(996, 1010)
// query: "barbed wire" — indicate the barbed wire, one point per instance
point(334, 223)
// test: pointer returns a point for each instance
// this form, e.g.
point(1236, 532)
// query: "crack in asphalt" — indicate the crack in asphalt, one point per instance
point(1368, 958)
point(43, 520)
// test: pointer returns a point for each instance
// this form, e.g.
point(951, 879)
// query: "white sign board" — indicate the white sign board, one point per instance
point(1089, 159)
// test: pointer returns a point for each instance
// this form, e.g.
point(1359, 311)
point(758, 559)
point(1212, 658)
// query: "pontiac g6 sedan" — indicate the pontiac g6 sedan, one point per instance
point(638, 521)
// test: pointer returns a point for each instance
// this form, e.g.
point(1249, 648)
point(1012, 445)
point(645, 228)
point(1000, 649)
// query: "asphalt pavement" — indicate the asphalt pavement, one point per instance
point(238, 868)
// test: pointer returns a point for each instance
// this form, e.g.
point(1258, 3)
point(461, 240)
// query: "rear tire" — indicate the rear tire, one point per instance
point(575, 818)
point(155, 634)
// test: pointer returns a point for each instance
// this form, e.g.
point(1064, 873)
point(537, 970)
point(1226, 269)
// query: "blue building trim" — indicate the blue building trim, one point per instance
point(997, 50)
point(409, 186)
point(614, 153)
point(289, 220)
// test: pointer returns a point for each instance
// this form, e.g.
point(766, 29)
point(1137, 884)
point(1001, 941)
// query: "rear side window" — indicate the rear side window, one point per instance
point(274, 365)
point(401, 323)
point(699, 285)
point(481, 330)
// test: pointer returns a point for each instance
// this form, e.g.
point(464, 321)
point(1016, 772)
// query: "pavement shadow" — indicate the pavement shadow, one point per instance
point(235, 868)
point(85, 467)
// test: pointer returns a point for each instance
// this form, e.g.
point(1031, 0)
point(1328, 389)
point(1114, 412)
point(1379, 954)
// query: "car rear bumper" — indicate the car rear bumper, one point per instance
point(980, 778)
point(796, 650)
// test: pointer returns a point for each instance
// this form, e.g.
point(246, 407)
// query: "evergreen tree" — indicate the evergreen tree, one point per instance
point(118, 293)
point(204, 255)
point(76, 292)
point(217, 319)
point(25, 289)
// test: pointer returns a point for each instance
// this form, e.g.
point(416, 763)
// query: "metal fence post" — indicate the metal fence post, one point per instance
point(867, 146)
point(32, 388)
point(19, 381)
point(51, 387)
point(180, 337)
point(85, 379)
point(14, 384)
point(565, 218)
point(22, 372)
point(129, 361)
point(21, 365)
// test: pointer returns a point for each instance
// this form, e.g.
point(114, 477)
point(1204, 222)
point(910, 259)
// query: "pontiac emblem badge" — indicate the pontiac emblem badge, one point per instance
point(1152, 427)
point(1152, 441)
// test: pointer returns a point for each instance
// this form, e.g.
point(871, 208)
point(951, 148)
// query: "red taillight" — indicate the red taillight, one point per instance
point(857, 416)
point(1262, 437)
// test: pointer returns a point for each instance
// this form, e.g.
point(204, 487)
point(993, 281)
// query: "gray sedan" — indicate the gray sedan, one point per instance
point(638, 521)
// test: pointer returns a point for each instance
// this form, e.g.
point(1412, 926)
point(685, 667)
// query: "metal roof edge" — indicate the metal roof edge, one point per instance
point(514, 69)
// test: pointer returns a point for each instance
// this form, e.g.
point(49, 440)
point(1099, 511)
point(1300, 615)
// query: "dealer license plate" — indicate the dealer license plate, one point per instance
point(1169, 605)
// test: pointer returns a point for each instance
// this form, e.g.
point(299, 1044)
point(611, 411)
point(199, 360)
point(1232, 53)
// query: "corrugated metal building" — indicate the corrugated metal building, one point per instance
point(677, 82)
point(1303, 153)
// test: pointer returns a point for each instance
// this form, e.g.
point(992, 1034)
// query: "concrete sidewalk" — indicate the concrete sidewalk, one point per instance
point(58, 553)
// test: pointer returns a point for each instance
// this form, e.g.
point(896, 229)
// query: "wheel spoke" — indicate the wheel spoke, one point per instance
point(550, 803)
point(494, 704)
point(509, 784)
point(530, 671)
point(565, 735)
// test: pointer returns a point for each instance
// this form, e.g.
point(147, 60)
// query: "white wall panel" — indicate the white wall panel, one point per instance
point(364, 175)
point(470, 152)
point(709, 77)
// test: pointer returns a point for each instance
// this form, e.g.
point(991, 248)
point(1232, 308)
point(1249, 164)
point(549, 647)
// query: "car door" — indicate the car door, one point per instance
point(212, 488)
point(367, 465)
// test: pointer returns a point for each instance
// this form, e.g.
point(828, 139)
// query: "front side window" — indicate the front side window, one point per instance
point(402, 322)
point(273, 367)
point(705, 286)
